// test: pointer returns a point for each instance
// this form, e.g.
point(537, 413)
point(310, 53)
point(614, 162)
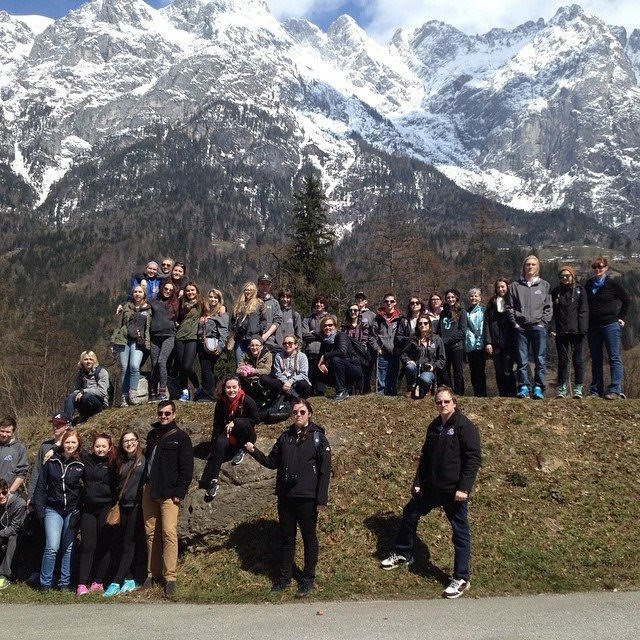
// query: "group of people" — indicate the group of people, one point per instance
point(281, 356)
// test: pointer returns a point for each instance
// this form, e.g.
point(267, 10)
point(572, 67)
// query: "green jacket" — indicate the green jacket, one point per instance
point(120, 336)
point(188, 329)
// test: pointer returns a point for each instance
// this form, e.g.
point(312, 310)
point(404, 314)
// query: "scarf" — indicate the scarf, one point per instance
point(232, 404)
point(331, 338)
point(597, 283)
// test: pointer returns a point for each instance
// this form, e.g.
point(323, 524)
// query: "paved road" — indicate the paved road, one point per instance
point(582, 616)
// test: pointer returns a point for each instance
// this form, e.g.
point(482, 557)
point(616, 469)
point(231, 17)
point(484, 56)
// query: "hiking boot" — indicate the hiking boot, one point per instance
point(562, 391)
point(456, 588)
point(112, 590)
point(577, 391)
point(212, 491)
point(305, 588)
point(239, 457)
point(279, 587)
point(4, 582)
point(523, 391)
point(396, 560)
point(537, 393)
point(184, 396)
point(170, 588)
point(128, 585)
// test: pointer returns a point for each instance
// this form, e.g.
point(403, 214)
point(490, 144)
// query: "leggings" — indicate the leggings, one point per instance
point(207, 367)
point(454, 361)
point(161, 348)
point(185, 358)
point(95, 547)
point(130, 545)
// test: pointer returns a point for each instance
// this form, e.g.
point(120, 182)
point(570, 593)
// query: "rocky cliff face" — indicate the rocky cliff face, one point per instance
point(544, 115)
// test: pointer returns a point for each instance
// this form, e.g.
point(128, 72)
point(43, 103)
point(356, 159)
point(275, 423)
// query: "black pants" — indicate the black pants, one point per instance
point(369, 371)
point(222, 451)
point(302, 388)
point(185, 358)
point(207, 368)
point(130, 548)
point(95, 546)
point(565, 343)
point(316, 378)
point(477, 361)
point(503, 362)
point(294, 512)
point(454, 361)
point(344, 373)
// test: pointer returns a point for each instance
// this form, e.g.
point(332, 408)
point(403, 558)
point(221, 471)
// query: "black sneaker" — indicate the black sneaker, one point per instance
point(170, 589)
point(279, 587)
point(212, 491)
point(150, 582)
point(239, 457)
point(304, 589)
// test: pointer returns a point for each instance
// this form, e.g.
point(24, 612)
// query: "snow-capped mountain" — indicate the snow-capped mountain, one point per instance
point(544, 115)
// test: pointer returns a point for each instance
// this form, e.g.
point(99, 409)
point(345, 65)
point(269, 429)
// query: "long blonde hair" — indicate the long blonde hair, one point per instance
point(243, 307)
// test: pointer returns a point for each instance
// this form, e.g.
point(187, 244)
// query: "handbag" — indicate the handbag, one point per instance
point(210, 345)
point(113, 515)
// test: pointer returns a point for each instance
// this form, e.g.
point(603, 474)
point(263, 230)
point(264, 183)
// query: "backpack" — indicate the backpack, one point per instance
point(361, 351)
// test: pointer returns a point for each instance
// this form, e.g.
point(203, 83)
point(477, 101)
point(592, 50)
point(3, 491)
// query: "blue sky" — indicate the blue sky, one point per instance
point(382, 17)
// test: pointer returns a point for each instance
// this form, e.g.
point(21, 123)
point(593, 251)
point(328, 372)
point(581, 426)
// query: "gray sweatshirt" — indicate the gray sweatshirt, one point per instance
point(291, 369)
point(89, 382)
point(273, 315)
point(12, 515)
point(529, 302)
point(291, 325)
point(14, 462)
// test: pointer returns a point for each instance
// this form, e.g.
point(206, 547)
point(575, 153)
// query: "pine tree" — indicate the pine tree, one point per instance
point(310, 258)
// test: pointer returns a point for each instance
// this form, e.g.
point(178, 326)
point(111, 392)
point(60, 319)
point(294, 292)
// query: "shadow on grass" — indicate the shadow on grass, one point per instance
point(385, 527)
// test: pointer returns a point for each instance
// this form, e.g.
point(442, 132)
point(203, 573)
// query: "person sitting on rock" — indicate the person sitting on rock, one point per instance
point(338, 363)
point(290, 375)
point(254, 369)
point(234, 424)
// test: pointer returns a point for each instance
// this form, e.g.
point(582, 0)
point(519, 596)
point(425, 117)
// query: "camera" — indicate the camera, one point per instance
point(290, 481)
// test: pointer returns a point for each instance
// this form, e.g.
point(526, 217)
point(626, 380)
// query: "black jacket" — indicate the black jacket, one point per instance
point(498, 328)
point(452, 332)
point(245, 418)
point(404, 333)
point(451, 456)
point(131, 495)
point(609, 304)
point(100, 481)
point(570, 310)
point(304, 465)
point(162, 319)
point(59, 486)
point(341, 348)
point(431, 354)
point(169, 470)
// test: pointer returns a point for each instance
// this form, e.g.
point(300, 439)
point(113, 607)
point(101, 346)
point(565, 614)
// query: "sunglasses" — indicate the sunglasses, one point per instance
point(423, 324)
point(288, 342)
point(565, 276)
point(443, 402)
point(164, 414)
point(166, 264)
point(389, 301)
point(299, 412)
point(328, 324)
point(415, 302)
point(597, 266)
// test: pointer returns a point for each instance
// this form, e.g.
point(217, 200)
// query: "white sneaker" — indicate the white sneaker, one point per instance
point(395, 560)
point(456, 588)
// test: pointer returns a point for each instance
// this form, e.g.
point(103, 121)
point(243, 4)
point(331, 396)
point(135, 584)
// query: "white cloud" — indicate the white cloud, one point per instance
point(470, 16)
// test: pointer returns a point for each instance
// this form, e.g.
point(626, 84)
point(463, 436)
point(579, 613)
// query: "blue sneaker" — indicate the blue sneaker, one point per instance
point(112, 590)
point(523, 391)
point(537, 393)
point(185, 396)
point(128, 585)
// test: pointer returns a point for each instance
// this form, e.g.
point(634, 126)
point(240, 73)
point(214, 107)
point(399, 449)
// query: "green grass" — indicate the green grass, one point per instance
point(554, 509)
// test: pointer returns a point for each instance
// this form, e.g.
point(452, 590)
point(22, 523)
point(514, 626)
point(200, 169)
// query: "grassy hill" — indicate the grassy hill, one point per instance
point(555, 507)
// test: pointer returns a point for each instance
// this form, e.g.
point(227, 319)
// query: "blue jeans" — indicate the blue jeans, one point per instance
point(425, 380)
point(59, 537)
point(130, 361)
point(456, 513)
point(536, 338)
point(241, 349)
point(608, 336)
point(88, 405)
point(388, 367)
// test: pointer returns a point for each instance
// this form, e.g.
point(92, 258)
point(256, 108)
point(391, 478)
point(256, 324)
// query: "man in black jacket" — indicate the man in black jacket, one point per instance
point(448, 465)
point(168, 474)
